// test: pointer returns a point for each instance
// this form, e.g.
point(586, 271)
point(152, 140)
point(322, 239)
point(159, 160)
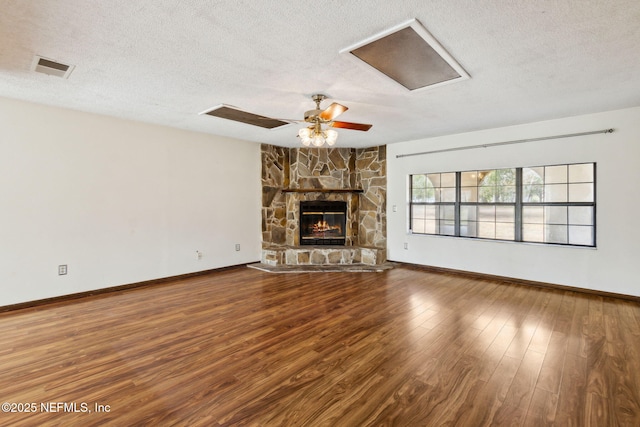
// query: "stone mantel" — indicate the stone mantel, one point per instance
point(322, 190)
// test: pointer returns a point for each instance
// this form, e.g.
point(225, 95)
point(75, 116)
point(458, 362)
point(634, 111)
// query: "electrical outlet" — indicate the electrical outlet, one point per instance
point(62, 269)
point(395, 208)
point(237, 246)
point(198, 255)
point(406, 245)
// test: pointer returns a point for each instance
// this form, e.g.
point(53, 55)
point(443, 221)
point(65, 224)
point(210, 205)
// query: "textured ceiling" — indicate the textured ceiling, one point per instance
point(165, 61)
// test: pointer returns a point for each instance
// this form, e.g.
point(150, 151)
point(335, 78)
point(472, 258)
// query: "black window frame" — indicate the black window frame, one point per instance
point(519, 206)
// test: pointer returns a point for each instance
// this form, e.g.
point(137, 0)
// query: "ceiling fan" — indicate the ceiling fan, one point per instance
point(315, 134)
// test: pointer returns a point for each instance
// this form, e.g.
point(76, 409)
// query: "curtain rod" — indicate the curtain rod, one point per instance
point(517, 141)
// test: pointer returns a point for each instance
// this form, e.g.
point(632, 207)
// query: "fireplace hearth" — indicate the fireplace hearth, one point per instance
point(323, 222)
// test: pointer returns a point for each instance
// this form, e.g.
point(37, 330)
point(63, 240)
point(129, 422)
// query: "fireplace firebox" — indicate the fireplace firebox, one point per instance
point(323, 222)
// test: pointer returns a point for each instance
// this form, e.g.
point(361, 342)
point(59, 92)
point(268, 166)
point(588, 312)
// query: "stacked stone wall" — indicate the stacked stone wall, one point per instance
point(324, 169)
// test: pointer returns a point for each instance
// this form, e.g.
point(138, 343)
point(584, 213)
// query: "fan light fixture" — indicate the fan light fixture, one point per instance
point(315, 134)
point(317, 137)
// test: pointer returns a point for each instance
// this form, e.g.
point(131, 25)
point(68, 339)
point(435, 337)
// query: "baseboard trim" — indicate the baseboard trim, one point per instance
point(111, 289)
point(546, 285)
point(429, 268)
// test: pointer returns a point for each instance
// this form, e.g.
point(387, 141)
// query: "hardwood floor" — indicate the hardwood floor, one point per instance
point(404, 347)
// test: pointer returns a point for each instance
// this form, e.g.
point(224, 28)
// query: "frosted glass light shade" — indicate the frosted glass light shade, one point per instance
point(318, 140)
point(305, 136)
point(309, 136)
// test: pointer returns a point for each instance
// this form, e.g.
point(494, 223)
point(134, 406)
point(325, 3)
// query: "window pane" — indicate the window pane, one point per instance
point(532, 193)
point(487, 230)
point(423, 219)
point(448, 179)
point(533, 175)
point(448, 195)
point(532, 180)
point(486, 213)
point(533, 232)
point(447, 227)
point(468, 228)
point(505, 213)
point(484, 178)
point(417, 226)
point(505, 177)
point(419, 195)
point(555, 214)
point(434, 178)
point(581, 192)
point(469, 194)
point(506, 194)
point(581, 215)
point(421, 189)
point(430, 226)
point(447, 212)
point(555, 174)
point(467, 213)
point(532, 214)
point(431, 212)
point(555, 193)
point(581, 173)
point(469, 179)
point(418, 181)
point(486, 194)
point(418, 211)
point(430, 195)
point(580, 235)
point(505, 230)
point(556, 234)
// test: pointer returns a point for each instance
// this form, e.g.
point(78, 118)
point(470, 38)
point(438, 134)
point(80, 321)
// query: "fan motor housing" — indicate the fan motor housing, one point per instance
point(312, 115)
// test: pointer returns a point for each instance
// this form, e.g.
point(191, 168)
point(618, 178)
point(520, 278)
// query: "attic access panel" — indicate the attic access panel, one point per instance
point(230, 113)
point(410, 56)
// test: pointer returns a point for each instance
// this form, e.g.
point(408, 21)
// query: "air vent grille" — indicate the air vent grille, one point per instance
point(51, 67)
point(230, 113)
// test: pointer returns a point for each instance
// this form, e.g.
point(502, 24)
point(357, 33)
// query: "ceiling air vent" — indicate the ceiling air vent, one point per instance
point(410, 56)
point(51, 67)
point(231, 113)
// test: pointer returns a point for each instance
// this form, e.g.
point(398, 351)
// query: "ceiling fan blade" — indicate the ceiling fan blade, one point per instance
point(348, 125)
point(333, 111)
point(280, 119)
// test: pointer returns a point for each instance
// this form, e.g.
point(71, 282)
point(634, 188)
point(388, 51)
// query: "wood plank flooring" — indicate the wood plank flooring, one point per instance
point(404, 347)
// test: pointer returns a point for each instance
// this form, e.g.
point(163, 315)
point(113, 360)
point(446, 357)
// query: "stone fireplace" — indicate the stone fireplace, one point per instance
point(294, 178)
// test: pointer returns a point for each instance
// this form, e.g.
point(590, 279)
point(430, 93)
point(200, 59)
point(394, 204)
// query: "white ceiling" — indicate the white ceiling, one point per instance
point(165, 61)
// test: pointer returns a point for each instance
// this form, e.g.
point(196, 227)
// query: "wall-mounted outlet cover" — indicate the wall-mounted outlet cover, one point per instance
point(62, 269)
point(237, 246)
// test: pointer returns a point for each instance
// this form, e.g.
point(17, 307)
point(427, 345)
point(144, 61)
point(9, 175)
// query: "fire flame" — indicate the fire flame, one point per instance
point(324, 226)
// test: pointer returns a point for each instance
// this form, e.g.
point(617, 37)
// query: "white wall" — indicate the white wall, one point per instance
point(119, 202)
point(611, 267)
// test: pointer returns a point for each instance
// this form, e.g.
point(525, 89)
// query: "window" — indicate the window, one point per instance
point(558, 204)
point(487, 204)
point(544, 204)
point(433, 198)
